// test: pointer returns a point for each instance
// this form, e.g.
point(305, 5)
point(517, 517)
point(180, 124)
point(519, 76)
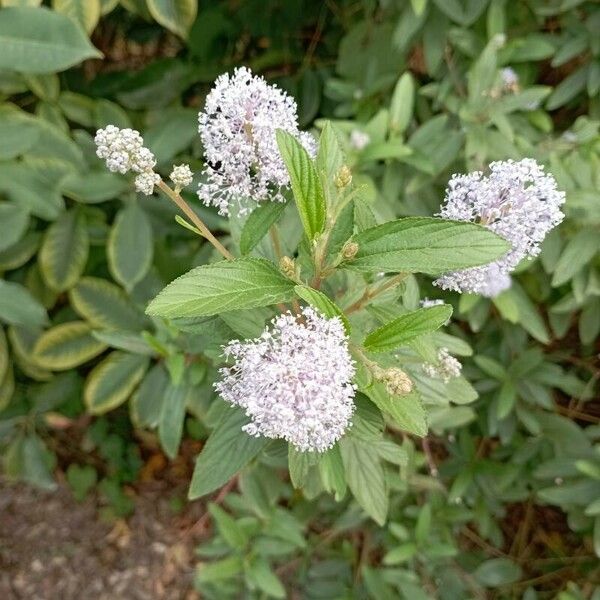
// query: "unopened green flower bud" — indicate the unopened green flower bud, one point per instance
point(287, 266)
point(343, 177)
point(349, 250)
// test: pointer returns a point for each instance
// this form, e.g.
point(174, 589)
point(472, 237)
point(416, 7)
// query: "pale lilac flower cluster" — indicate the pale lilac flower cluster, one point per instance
point(359, 139)
point(123, 151)
point(294, 381)
point(181, 176)
point(446, 368)
point(519, 202)
point(510, 79)
point(238, 130)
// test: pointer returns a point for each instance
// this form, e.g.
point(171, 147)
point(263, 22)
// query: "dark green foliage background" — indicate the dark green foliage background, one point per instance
point(502, 500)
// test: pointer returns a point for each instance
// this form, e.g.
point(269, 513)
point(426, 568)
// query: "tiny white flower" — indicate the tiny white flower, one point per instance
point(510, 79)
point(181, 175)
point(446, 368)
point(145, 182)
point(519, 202)
point(428, 303)
point(238, 130)
point(359, 139)
point(294, 381)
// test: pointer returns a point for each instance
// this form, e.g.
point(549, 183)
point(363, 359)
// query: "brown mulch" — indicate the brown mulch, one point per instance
point(52, 547)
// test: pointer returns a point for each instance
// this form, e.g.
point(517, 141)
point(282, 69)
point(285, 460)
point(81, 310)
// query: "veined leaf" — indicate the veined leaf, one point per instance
point(112, 381)
point(226, 285)
point(64, 251)
point(425, 245)
point(18, 132)
point(105, 305)
point(130, 246)
point(38, 40)
point(258, 224)
point(13, 223)
point(322, 303)
point(67, 346)
point(406, 411)
point(305, 183)
point(227, 450)
point(407, 327)
point(365, 477)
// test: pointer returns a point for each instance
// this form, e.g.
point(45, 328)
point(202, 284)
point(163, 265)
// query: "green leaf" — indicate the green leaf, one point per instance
point(305, 183)
point(322, 303)
point(299, 463)
point(84, 12)
point(18, 132)
point(28, 459)
point(219, 287)
point(365, 477)
point(401, 106)
point(220, 570)
point(580, 250)
point(4, 356)
point(329, 160)
point(103, 304)
point(174, 132)
point(406, 327)
point(93, 187)
point(81, 480)
point(497, 571)
point(227, 450)
point(425, 245)
point(112, 381)
point(19, 307)
point(258, 224)
point(67, 346)
point(406, 411)
point(331, 469)
point(172, 415)
point(13, 223)
point(64, 251)
point(259, 572)
point(228, 529)
point(130, 245)
point(147, 401)
point(176, 15)
point(38, 40)
point(7, 386)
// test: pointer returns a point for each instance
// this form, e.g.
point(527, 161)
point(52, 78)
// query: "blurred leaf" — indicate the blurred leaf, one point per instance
point(497, 572)
point(175, 15)
point(84, 12)
point(172, 415)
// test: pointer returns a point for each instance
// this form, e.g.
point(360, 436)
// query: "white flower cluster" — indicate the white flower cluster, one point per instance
point(519, 202)
point(294, 381)
point(359, 139)
point(181, 176)
point(123, 151)
point(238, 130)
point(510, 79)
point(428, 303)
point(447, 367)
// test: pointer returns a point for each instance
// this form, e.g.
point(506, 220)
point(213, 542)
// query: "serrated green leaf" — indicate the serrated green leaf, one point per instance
point(305, 183)
point(38, 40)
point(406, 411)
point(103, 304)
point(258, 224)
point(64, 251)
point(227, 450)
point(130, 246)
point(112, 381)
point(365, 477)
point(425, 245)
point(219, 287)
point(406, 327)
point(66, 346)
point(322, 303)
point(299, 464)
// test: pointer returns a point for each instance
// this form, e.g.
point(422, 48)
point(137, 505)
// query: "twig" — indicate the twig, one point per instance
point(200, 525)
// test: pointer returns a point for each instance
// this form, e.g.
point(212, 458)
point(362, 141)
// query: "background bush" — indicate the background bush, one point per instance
point(503, 497)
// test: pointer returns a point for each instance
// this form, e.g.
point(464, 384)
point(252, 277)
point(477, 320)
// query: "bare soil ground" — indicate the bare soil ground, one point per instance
point(52, 547)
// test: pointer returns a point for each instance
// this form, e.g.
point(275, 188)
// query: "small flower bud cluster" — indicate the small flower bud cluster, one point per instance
point(287, 266)
point(238, 130)
point(294, 381)
point(510, 79)
point(519, 202)
point(123, 151)
point(181, 176)
point(343, 177)
point(447, 367)
point(350, 250)
point(396, 381)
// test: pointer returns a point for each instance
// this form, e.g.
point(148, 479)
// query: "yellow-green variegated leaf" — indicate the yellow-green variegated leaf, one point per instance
point(103, 304)
point(112, 381)
point(84, 12)
point(7, 387)
point(64, 251)
point(67, 346)
point(107, 6)
point(6, 3)
point(3, 354)
point(176, 15)
point(130, 246)
point(22, 341)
